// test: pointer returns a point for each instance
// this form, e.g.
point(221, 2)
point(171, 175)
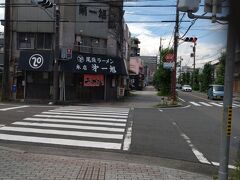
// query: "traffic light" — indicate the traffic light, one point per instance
point(44, 3)
point(190, 39)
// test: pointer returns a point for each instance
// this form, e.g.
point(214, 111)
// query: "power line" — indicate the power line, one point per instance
point(51, 21)
point(145, 14)
point(90, 4)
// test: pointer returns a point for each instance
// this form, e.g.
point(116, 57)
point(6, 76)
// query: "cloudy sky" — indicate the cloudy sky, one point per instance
point(211, 36)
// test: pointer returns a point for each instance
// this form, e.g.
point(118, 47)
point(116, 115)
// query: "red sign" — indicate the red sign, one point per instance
point(93, 80)
point(69, 53)
point(169, 57)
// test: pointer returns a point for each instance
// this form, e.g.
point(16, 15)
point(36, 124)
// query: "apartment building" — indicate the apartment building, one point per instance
point(92, 65)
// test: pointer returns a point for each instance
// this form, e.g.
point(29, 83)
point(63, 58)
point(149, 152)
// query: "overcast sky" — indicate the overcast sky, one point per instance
point(211, 36)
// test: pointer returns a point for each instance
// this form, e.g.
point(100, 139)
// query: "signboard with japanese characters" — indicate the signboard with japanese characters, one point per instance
point(94, 64)
point(35, 61)
point(93, 80)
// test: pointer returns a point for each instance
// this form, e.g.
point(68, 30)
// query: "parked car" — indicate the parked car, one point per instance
point(186, 88)
point(178, 86)
point(215, 91)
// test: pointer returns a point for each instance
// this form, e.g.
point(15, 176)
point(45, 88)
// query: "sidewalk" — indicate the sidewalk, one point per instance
point(17, 165)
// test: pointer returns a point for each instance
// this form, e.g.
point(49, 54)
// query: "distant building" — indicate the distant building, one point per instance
point(136, 73)
point(187, 69)
point(150, 67)
point(135, 50)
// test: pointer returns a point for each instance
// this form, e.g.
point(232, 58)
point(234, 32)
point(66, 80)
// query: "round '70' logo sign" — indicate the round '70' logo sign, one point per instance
point(36, 61)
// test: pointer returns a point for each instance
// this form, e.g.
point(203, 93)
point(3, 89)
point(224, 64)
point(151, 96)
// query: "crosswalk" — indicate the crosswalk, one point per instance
point(211, 104)
point(80, 126)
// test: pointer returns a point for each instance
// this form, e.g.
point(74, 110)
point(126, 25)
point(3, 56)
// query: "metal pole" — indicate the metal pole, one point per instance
point(194, 64)
point(180, 75)
point(227, 104)
point(56, 54)
point(7, 41)
point(176, 34)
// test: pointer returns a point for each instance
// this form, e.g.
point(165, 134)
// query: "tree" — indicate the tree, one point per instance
point(162, 78)
point(186, 79)
point(220, 69)
point(206, 78)
point(196, 80)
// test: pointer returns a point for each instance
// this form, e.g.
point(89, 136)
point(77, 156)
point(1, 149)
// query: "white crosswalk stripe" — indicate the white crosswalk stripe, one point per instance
point(212, 104)
point(205, 104)
point(216, 104)
point(81, 126)
point(236, 105)
point(195, 104)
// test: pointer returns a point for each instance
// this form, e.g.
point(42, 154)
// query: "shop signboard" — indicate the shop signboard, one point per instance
point(85, 63)
point(93, 80)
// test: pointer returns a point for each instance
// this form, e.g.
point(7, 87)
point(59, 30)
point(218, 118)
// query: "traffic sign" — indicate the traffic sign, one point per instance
point(66, 53)
point(168, 65)
point(169, 57)
point(69, 53)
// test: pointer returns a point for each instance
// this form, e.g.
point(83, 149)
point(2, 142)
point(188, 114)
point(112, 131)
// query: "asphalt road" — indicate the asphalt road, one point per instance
point(130, 128)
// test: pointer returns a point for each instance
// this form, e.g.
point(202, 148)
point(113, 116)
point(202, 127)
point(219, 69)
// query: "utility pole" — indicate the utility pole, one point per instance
point(180, 75)
point(227, 102)
point(176, 35)
point(56, 54)
point(194, 64)
point(7, 45)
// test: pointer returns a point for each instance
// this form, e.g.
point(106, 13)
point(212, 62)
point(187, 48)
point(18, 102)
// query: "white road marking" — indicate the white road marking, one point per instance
point(92, 112)
point(128, 138)
point(75, 121)
point(237, 105)
point(181, 99)
point(160, 110)
point(66, 126)
point(57, 141)
point(95, 110)
point(216, 104)
point(195, 104)
point(206, 104)
point(82, 114)
point(62, 132)
point(81, 117)
point(195, 151)
point(11, 108)
point(233, 105)
point(229, 166)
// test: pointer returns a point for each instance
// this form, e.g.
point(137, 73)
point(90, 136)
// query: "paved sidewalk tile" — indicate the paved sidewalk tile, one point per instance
point(26, 166)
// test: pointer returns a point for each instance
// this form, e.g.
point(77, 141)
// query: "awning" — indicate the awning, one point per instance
point(85, 63)
point(36, 61)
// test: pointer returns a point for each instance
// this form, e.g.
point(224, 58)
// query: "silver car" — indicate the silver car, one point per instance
point(186, 88)
point(215, 91)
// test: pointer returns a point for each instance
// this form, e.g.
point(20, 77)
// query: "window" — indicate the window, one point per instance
point(89, 44)
point(26, 41)
point(34, 41)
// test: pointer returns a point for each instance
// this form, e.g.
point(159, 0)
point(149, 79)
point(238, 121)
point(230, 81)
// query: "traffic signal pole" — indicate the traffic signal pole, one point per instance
point(194, 64)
